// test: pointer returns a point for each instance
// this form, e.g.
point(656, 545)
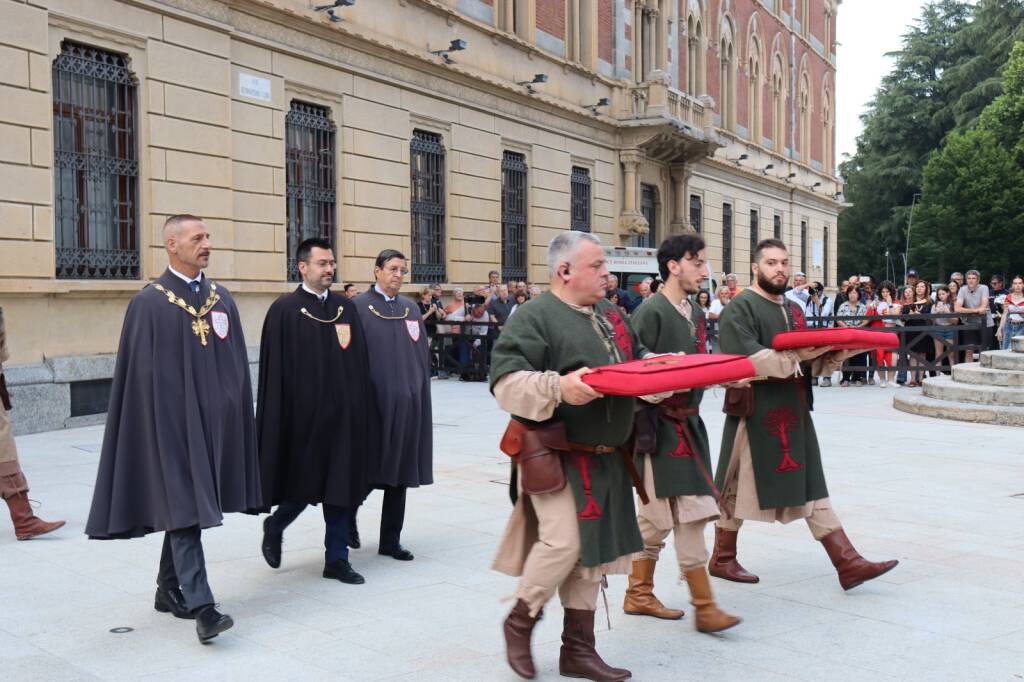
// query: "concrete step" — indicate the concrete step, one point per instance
point(944, 388)
point(1017, 344)
point(916, 403)
point(974, 373)
point(1003, 359)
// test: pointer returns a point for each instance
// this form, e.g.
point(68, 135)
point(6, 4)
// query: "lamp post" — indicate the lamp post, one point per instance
point(910, 226)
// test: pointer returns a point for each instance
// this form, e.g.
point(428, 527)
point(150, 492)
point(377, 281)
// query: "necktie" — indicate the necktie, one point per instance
point(195, 286)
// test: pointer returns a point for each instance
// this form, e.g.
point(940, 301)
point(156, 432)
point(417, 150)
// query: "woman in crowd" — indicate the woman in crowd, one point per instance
point(704, 303)
point(953, 287)
point(722, 298)
point(852, 307)
point(1012, 322)
point(944, 304)
point(520, 298)
point(886, 305)
point(431, 314)
point(923, 348)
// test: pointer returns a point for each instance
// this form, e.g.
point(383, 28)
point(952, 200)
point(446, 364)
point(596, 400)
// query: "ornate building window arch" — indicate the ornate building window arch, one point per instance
point(727, 74)
point(696, 52)
point(805, 107)
point(828, 141)
point(755, 81)
point(778, 84)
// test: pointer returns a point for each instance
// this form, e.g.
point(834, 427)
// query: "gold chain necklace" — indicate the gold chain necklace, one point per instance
point(330, 321)
point(200, 327)
point(388, 317)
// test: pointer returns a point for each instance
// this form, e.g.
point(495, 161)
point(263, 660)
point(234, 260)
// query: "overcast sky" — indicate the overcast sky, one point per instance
point(866, 30)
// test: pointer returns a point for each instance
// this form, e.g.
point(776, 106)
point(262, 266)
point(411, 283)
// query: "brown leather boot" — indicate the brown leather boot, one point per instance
point(709, 617)
point(723, 562)
point(640, 599)
point(853, 569)
point(26, 524)
point(578, 657)
point(518, 629)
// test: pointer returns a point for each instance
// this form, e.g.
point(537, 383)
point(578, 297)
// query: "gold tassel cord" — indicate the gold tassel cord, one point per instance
point(200, 327)
point(389, 317)
point(330, 321)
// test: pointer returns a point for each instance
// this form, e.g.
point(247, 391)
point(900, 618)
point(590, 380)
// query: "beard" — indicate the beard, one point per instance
point(770, 286)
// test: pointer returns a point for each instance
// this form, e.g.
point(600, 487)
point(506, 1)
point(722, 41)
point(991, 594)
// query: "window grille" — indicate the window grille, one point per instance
point(648, 207)
point(777, 227)
point(96, 167)
point(311, 184)
point(804, 265)
point(755, 236)
point(826, 252)
point(579, 183)
point(696, 212)
point(427, 189)
point(513, 217)
point(726, 238)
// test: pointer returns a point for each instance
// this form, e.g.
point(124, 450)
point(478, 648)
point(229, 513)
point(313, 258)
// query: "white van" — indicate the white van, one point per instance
point(632, 264)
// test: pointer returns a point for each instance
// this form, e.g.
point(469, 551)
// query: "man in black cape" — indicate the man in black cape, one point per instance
point(179, 449)
point(400, 374)
point(312, 413)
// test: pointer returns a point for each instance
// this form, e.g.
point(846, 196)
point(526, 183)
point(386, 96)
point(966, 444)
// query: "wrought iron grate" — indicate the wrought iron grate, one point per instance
point(579, 183)
point(696, 213)
point(427, 207)
point(96, 167)
point(726, 238)
point(755, 230)
point(311, 190)
point(513, 216)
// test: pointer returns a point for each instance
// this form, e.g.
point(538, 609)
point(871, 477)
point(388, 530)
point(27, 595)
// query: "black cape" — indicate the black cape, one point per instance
point(313, 414)
point(400, 374)
point(179, 448)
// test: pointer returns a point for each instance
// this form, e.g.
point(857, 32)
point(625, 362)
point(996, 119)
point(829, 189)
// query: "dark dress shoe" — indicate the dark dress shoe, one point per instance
point(172, 601)
point(210, 622)
point(271, 544)
point(397, 552)
point(342, 570)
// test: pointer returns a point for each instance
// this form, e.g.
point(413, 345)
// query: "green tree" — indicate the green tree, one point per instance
point(972, 211)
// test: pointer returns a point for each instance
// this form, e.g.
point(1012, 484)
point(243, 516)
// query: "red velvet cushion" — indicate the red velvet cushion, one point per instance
point(668, 373)
point(840, 338)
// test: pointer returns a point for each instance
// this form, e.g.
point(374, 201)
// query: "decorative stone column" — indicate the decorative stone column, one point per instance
point(680, 173)
point(631, 222)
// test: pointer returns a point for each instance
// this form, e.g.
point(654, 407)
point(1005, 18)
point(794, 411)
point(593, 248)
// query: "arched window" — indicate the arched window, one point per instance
point(778, 103)
point(805, 118)
point(754, 92)
point(696, 66)
point(828, 151)
point(727, 78)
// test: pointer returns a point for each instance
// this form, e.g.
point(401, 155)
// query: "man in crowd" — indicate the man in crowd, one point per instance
point(500, 306)
point(732, 284)
point(912, 279)
point(566, 537)
point(769, 467)
point(179, 450)
point(312, 414)
point(973, 299)
point(997, 293)
point(613, 288)
point(13, 486)
point(957, 277)
point(489, 290)
point(799, 293)
point(676, 472)
point(400, 379)
point(351, 290)
point(819, 305)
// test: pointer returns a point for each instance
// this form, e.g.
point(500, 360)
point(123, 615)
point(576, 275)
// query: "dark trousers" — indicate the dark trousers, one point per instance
point(392, 516)
point(183, 565)
point(335, 518)
point(857, 361)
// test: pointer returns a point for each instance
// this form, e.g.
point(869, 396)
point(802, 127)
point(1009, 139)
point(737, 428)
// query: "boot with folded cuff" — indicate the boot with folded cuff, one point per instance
point(640, 599)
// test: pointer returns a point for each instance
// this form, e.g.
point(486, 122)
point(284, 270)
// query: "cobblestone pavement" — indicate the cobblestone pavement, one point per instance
point(945, 498)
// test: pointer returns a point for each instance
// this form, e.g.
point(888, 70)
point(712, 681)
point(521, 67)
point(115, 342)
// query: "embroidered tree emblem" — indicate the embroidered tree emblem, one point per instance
point(683, 448)
point(779, 422)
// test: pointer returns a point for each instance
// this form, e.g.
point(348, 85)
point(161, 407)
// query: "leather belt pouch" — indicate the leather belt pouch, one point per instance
point(540, 461)
point(739, 402)
point(645, 429)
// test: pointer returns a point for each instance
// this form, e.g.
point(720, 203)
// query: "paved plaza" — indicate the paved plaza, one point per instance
point(945, 498)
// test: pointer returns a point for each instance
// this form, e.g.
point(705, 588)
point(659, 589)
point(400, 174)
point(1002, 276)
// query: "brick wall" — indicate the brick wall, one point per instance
point(551, 17)
point(606, 30)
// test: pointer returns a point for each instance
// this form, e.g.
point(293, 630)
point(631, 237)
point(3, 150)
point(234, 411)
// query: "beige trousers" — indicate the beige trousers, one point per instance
point(691, 552)
point(553, 562)
point(740, 500)
point(12, 480)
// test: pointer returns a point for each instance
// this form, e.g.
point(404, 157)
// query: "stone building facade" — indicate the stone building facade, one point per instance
point(276, 120)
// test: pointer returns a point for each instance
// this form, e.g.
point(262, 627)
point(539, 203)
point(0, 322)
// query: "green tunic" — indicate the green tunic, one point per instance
point(547, 334)
point(663, 329)
point(783, 445)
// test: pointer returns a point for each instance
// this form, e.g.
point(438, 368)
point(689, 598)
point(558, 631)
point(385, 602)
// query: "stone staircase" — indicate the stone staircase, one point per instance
point(990, 391)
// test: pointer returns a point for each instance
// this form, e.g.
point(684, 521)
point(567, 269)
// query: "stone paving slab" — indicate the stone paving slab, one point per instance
point(938, 495)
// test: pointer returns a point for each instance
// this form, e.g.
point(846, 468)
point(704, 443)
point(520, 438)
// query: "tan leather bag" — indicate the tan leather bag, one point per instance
point(537, 452)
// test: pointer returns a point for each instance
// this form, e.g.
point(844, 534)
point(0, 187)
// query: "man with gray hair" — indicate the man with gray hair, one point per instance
point(179, 450)
point(973, 300)
point(574, 519)
point(799, 293)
